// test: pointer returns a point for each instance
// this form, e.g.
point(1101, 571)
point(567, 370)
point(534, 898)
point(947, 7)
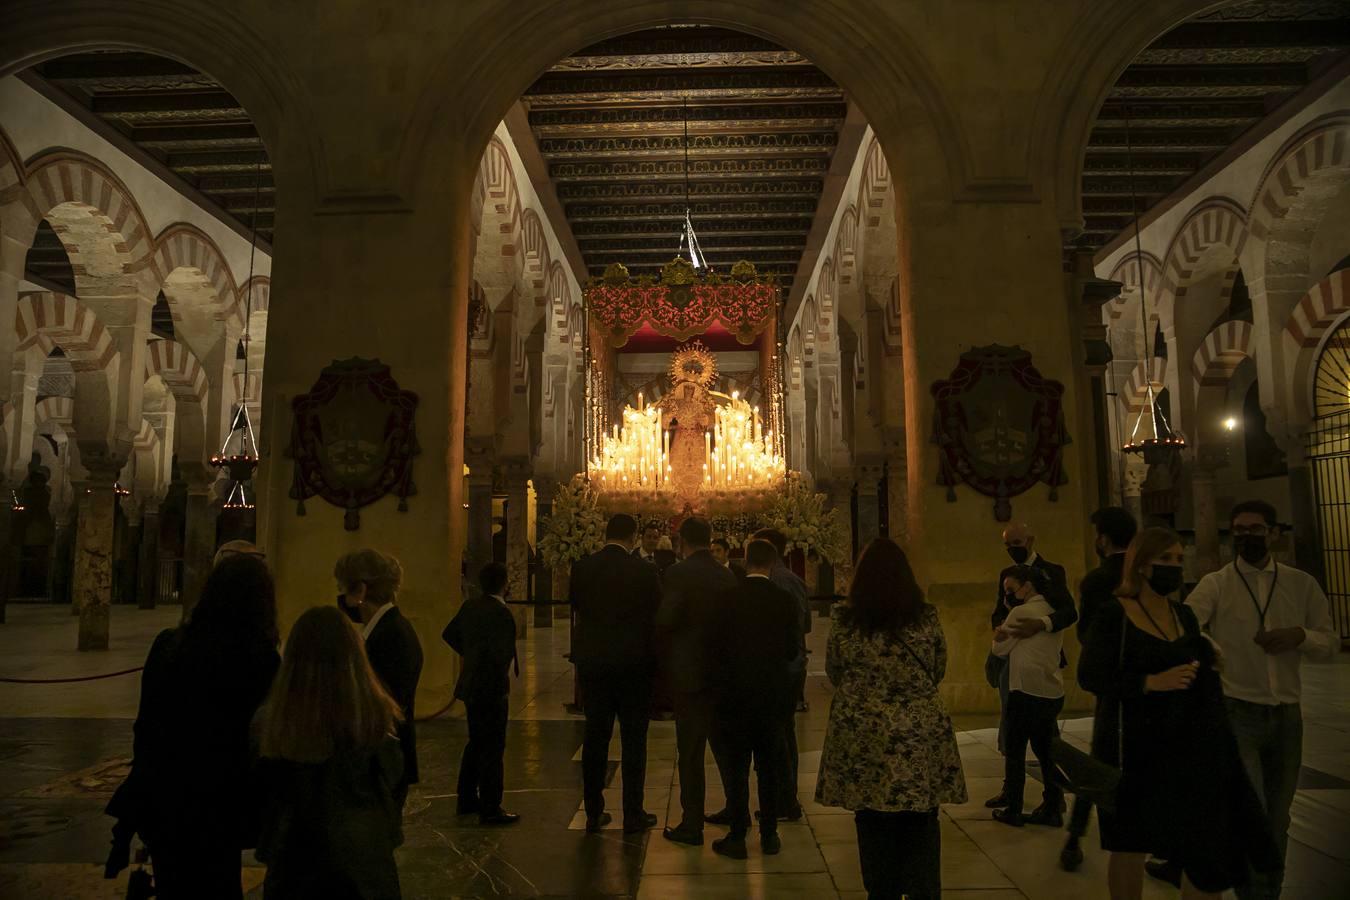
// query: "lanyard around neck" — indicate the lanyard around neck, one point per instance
point(1176, 623)
point(1270, 597)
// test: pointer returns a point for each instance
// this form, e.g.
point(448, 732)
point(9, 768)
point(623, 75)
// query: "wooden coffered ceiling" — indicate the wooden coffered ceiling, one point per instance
point(182, 118)
point(763, 125)
point(1193, 93)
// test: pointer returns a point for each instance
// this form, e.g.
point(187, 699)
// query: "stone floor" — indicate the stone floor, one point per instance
point(64, 748)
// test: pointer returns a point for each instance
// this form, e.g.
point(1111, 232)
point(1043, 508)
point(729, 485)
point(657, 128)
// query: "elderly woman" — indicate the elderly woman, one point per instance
point(890, 752)
point(368, 582)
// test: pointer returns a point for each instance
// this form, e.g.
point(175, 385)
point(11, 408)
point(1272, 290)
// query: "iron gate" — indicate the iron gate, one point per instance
point(1328, 452)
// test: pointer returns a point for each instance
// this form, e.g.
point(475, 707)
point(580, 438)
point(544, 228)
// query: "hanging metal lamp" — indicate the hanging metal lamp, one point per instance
point(1152, 436)
point(238, 455)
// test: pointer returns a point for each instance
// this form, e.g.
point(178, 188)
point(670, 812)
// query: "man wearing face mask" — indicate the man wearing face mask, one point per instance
point(1268, 618)
point(1019, 542)
point(1115, 528)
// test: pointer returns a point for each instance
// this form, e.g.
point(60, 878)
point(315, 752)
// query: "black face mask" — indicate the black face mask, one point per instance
point(1010, 599)
point(1165, 579)
point(1251, 547)
point(1019, 554)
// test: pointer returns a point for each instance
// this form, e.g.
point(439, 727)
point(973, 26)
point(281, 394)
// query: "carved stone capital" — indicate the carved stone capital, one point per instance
point(515, 473)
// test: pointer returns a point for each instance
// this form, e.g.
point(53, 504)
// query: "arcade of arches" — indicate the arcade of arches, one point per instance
point(444, 191)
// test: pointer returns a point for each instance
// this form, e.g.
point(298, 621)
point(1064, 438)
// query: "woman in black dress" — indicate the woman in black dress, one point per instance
point(1183, 795)
point(188, 792)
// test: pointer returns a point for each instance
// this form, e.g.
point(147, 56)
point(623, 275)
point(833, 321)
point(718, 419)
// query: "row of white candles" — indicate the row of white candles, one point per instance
point(637, 455)
point(738, 452)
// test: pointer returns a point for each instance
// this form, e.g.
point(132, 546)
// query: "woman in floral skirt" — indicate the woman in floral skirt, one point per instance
point(890, 752)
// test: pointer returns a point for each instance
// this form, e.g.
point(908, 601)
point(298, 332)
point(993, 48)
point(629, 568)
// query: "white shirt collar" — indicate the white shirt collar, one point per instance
point(757, 575)
point(1247, 568)
point(375, 619)
point(499, 598)
point(1031, 558)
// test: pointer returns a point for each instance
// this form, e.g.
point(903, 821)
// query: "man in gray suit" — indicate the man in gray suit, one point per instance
point(686, 619)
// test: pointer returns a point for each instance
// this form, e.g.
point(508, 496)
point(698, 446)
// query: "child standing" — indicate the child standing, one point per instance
point(1035, 698)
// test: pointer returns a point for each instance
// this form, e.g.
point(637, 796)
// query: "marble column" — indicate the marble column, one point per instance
point(516, 474)
point(543, 579)
point(199, 541)
point(129, 549)
point(58, 560)
point(6, 558)
point(481, 459)
point(866, 477)
point(147, 581)
point(92, 588)
point(1136, 471)
point(1205, 515)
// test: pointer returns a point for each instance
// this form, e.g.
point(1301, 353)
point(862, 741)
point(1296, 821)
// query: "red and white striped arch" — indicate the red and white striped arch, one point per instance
point(47, 320)
point(178, 367)
point(1220, 353)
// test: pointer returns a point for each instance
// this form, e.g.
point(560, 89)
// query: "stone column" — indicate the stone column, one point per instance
point(199, 541)
point(897, 487)
point(544, 487)
point(478, 546)
point(1304, 514)
point(866, 476)
point(1136, 471)
point(1204, 514)
point(147, 581)
point(58, 561)
point(128, 549)
point(6, 558)
point(516, 473)
point(93, 558)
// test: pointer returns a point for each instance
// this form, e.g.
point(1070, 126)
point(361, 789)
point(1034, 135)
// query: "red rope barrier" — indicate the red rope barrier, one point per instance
point(68, 680)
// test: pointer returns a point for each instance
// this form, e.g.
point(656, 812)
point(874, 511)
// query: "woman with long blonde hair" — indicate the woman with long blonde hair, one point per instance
point(330, 767)
point(1161, 719)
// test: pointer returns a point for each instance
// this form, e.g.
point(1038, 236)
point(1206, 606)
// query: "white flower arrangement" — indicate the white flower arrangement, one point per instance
point(576, 528)
point(800, 514)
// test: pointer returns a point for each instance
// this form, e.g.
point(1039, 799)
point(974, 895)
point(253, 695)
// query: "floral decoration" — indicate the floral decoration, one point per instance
point(803, 518)
point(576, 529)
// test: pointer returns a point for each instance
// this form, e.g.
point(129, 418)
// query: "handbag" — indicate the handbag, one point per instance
point(1083, 774)
point(994, 666)
point(140, 886)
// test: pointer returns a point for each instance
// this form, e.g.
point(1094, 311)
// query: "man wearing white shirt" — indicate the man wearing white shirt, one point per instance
point(1266, 619)
point(1035, 696)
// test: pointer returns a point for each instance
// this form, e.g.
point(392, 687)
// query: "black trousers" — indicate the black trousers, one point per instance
point(626, 695)
point(901, 854)
point(1029, 720)
point(1078, 819)
point(693, 724)
point(480, 768)
point(197, 872)
point(747, 733)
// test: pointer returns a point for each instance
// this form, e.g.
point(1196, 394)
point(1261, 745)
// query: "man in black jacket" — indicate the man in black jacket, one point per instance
point(615, 596)
point(1115, 528)
point(650, 549)
point(484, 633)
point(370, 581)
point(1019, 541)
point(688, 617)
point(756, 647)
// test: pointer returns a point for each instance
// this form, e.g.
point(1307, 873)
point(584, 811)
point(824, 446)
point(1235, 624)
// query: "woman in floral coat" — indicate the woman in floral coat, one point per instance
point(890, 752)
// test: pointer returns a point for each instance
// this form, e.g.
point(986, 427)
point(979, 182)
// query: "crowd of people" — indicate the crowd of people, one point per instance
point(307, 755)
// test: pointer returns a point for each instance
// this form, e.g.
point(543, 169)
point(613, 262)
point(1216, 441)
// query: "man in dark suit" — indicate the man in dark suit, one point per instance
point(1115, 529)
point(484, 633)
point(615, 597)
point(369, 581)
point(650, 549)
point(1019, 542)
point(756, 647)
point(687, 619)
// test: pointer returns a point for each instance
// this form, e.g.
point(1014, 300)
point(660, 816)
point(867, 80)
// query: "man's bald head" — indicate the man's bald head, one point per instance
point(1017, 540)
point(237, 548)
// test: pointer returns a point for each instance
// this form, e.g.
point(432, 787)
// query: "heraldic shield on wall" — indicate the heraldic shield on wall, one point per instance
point(999, 427)
point(354, 439)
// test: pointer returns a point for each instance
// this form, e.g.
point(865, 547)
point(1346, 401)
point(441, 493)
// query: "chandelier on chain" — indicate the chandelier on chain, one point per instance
point(238, 454)
point(1152, 436)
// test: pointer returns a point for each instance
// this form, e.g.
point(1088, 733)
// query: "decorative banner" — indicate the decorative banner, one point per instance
point(682, 304)
point(353, 439)
point(999, 426)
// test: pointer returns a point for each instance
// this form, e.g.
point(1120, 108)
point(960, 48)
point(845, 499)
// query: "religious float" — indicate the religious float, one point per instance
point(684, 414)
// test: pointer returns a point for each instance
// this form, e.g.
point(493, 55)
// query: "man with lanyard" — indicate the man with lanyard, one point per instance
point(1266, 619)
